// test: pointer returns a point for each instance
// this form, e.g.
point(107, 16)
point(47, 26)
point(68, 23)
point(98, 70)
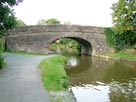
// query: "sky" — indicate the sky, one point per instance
point(79, 12)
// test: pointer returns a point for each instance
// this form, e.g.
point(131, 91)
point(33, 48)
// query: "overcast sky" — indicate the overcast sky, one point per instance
point(82, 12)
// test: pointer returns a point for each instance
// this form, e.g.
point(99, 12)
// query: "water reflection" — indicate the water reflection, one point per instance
point(101, 80)
point(71, 62)
point(123, 92)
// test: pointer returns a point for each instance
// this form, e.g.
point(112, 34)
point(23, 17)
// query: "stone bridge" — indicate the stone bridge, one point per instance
point(37, 38)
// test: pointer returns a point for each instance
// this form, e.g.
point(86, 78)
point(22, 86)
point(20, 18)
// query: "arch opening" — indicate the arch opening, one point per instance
point(85, 46)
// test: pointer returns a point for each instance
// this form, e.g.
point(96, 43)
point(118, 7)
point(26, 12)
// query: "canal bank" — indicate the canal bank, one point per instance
point(121, 56)
point(93, 78)
point(55, 79)
point(96, 79)
point(22, 81)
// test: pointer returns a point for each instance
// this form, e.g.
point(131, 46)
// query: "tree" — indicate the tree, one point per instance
point(120, 41)
point(48, 21)
point(20, 23)
point(42, 22)
point(7, 18)
point(52, 21)
point(124, 16)
point(123, 33)
point(10, 2)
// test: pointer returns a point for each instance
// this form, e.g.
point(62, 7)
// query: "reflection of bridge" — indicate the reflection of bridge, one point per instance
point(38, 38)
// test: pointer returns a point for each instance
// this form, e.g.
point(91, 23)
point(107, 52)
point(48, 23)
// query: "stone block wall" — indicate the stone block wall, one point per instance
point(38, 38)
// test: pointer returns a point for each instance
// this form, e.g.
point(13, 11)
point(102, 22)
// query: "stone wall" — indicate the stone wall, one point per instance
point(38, 38)
point(56, 28)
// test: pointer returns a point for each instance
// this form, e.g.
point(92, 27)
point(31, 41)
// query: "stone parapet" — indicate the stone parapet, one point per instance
point(56, 28)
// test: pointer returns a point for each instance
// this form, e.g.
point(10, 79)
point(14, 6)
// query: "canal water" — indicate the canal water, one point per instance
point(101, 80)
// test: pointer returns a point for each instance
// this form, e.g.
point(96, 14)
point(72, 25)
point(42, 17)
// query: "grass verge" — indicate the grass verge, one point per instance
point(2, 63)
point(122, 55)
point(53, 73)
point(55, 79)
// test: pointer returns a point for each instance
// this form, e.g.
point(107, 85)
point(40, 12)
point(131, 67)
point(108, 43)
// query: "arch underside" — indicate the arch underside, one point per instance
point(86, 47)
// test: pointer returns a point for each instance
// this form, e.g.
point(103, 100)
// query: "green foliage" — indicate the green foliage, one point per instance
point(123, 33)
point(120, 41)
point(124, 16)
point(19, 23)
point(1, 60)
point(48, 21)
point(70, 43)
point(66, 45)
point(53, 73)
point(122, 55)
point(7, 18)
point(1, 44)
point(125, 40)
point(10, 2)
point(52, 21)
point(110, 37)
point(1, 57)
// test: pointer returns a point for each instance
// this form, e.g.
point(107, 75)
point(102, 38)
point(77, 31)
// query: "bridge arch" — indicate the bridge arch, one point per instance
point(86, 47)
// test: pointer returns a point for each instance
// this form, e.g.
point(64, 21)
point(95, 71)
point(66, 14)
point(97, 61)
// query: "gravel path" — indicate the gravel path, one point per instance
point(20, 80)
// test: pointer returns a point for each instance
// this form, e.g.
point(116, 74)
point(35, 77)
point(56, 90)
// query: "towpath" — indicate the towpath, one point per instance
point(20, 80)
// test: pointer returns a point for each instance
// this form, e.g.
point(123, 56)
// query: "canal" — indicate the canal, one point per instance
point(101, 80)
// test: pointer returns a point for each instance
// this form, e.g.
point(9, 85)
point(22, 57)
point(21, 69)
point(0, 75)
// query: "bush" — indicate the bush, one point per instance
point(66, 46)
point(1, 44)
point(1, 49)
point(1, 61)
point(120, 41)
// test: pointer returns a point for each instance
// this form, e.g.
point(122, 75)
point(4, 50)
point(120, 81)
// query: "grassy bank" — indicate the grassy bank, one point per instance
point(55, 79)
point(2, 63)
point(1, 49)
point(122, 55)
point(53, 73)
